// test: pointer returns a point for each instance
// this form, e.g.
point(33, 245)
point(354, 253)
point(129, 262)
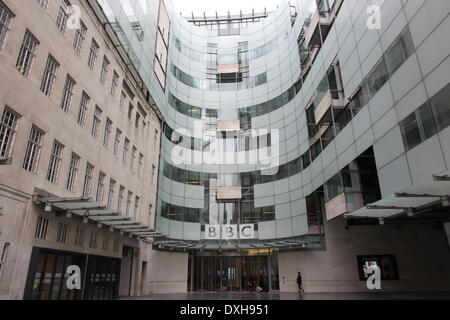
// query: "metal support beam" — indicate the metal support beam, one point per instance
point(375, 207)
point(412, 195)
point(441, 178)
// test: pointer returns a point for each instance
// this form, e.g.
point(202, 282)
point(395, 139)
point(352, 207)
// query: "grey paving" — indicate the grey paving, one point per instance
point(198, 296)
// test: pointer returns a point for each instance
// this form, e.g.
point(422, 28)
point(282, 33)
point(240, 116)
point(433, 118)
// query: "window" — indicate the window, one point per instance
point(27, 54)
point(130, 111)
point(3, 256)
point(418, 126)
point(50, 72)
point(85, 99)
point(140, 164)
point(80, 37)
point(107, 135)
point(105, 244)
point(153, 173)
point(33, 151)
point(112, 187)
point(55, 162)
point(133, 158)
point(117, 143)
point(93, 53)
point(63, 15)
point(136, 208)
point(123, 97)
point(63, 230)
point(87, 185)
point(399, 51)
point(138, 120)
point(128, 207)
point(96, 122)
point(105, 69)
point(73, 172)
point(5, 21)
point(43, 3)
point(93, 240)
point(115, 83)
point(120, 199)
point(126, 147)
point(8, 131)
point(100, 188)
point(150, 213)
point(386, 263)
point(79, 237)
point(67, 94)
point(440, 104)
point(116, 245)
point(41, 228)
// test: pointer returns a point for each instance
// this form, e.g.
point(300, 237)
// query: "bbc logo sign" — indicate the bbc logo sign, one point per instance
point(229, 232)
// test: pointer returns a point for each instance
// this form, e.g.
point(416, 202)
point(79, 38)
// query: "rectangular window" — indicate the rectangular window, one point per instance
point(100, 188)
point(130, 111)
point(79, 237)
point(27, 54)
point(386, 263)
point(63, 230)
point(418, 126)
point(55, 162)
point(133, 158)
point(138, 120)
point(440, 104)
point(8, 131)
point(5, 21)
point(123, 97)
point(51, 69)
point(399, 51)
point(120, 199)
point(140, 164)
point(33, 152)
point(105, 69)
point(126, 147)
point(73, 172)
point(87, 185)
point(41, 228)
point(116, 245)
point(80, 37)
point(117, 143)
point(112, 188)
point(66, 100)
point(82, 113)
point(136, 208)
point(105, 244)
point(93, 240)
point(153, 173)
point(93, 53)
point(3, 256)
point(63, 15)
point(107, 135)
point(96, 122)
point(129, 200)
point(115, 83)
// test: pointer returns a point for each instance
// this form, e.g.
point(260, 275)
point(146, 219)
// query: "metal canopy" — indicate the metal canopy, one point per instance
point(84, 208)
point(405, 202)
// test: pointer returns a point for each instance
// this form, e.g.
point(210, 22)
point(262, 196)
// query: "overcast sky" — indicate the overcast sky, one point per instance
point(222, 6)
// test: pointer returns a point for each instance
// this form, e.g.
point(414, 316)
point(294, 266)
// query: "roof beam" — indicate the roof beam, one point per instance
point(412, 195)
point(441, 178)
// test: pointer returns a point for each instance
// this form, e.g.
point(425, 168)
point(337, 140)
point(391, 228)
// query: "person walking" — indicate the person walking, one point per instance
point(299, 283)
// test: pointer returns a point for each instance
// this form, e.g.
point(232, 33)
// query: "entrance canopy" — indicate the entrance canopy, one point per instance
point(92, 212)
point(410, 201)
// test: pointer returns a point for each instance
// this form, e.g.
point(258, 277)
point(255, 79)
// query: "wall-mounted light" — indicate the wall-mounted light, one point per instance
point(445, 201)
point(130, 236)
point(48, 207)
point(85, 220)
point(68, 214)
point(410, 212)
point(111, 229)
point(381, 221)
point(99, 225)
point(121, 233)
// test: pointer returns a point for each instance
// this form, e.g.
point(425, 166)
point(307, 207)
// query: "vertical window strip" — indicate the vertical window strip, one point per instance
point(33, 151)
point(117, 143)
point(63, 230)
point(115, 83)
point(63, 15)
point(96, 122)
point(55, 162)
point(85, 99)
point(100, 188)
point(27, 54)
point(112, 187)
point(50, 72)
point(73, 172)
point(87, 186)
point(105, 70)
point(41, 228)
point(107, 135)
point(8, 131)
point(80, 37)
point(5, 21)
point(93, 54)
point(67, 94)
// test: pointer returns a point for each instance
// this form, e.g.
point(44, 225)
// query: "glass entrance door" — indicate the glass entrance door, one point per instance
point(233, 272)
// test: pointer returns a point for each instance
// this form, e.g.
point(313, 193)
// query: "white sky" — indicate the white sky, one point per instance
point(222, 6)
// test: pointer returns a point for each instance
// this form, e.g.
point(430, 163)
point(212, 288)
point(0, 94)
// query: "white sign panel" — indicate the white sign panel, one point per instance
point(229, 232)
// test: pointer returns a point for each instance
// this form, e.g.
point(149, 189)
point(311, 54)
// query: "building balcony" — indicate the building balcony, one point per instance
point(319, 27)
point(330, 99)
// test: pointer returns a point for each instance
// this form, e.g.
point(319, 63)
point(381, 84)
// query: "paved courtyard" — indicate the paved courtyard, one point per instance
point(199, 296)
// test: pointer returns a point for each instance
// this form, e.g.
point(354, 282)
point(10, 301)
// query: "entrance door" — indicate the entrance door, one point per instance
point(126, 272)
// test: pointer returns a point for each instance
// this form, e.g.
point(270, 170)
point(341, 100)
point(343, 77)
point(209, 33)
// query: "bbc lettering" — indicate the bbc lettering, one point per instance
point(229, 232)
